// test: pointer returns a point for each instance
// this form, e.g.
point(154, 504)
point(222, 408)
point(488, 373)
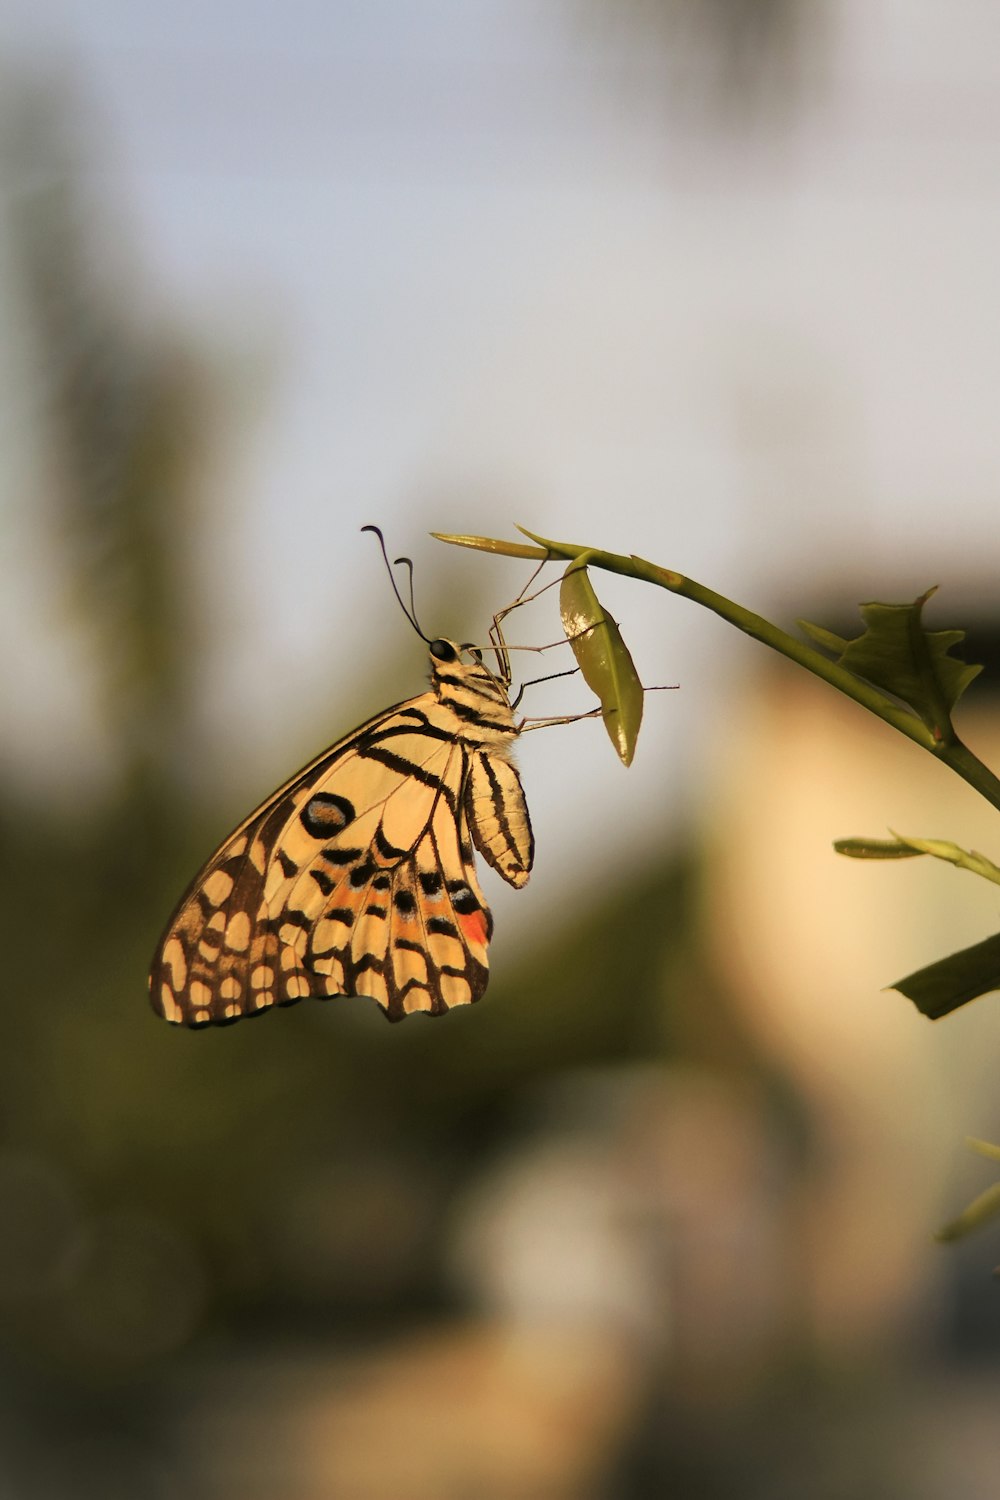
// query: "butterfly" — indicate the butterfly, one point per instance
point(358, 876)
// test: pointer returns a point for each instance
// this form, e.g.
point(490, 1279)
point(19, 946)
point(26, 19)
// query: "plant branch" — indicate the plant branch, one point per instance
point(953, 753)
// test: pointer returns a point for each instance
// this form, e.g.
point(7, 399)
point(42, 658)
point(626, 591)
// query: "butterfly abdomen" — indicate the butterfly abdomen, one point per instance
point(498, 816)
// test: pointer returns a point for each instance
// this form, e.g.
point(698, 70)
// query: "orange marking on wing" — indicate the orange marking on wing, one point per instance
point(473, 924)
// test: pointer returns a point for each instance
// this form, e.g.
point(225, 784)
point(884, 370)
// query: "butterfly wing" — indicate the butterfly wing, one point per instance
point(355, 878)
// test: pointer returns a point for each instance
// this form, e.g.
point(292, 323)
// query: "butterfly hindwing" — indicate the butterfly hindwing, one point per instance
point(356, 877)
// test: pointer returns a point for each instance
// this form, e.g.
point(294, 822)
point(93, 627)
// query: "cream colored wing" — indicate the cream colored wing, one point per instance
point(355, 878)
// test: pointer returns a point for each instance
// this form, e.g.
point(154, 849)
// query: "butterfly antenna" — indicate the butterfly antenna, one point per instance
point(407, 562)
point(409, 613)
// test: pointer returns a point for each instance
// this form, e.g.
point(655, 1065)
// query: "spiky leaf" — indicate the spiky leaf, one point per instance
point(898, 655)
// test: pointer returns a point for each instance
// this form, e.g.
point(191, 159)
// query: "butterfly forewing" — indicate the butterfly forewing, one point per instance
point(358, 876)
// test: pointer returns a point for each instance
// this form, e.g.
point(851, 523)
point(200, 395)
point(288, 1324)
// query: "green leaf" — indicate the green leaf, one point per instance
point(898, 655)
point(603, 657)
point(902, 847)
point(965, 859)
point(979, 1212)
point(489, 544)
point(875, 849)
point(985, 1148)
point(953, 981)
point(835, 644)
point(981, 1209)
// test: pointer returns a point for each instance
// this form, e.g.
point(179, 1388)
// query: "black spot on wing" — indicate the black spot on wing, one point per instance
point(388, 851)
point(293, 916)
point(341, 856)
point(326, 813)
point(462, 898)
point(367, 961)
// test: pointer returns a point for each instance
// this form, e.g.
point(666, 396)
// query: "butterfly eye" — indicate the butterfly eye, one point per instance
point(443, 651)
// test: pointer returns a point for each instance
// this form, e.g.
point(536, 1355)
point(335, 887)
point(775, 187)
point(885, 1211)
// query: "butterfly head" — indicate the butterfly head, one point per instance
point(462, 679)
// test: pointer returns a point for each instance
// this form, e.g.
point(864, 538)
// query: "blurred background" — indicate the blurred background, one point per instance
point(709, 280)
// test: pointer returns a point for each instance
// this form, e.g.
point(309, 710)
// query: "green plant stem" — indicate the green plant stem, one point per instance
point(954, 753)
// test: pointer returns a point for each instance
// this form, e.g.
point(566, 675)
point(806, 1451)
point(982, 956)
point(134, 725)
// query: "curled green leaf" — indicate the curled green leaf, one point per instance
point(603, 658)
